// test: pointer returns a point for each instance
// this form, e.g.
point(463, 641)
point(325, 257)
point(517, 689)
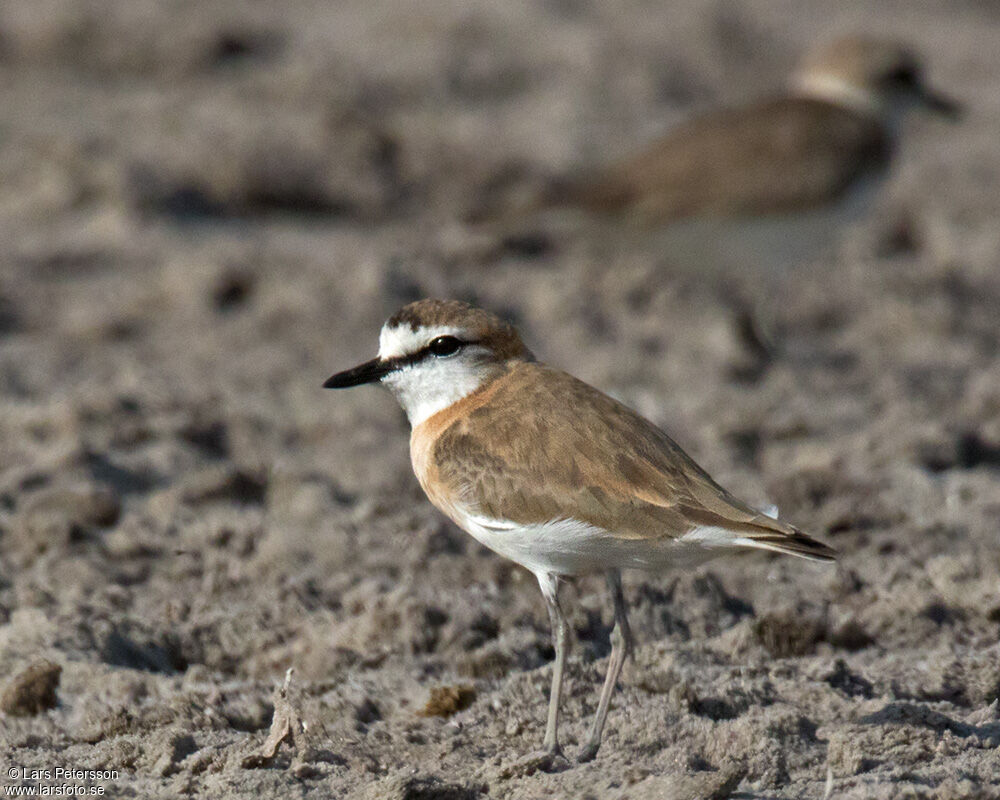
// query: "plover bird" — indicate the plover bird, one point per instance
point(799, 166)
point(551, 473)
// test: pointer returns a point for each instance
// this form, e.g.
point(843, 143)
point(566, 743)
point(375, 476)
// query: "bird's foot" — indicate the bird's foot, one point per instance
point(549, 759)
point(588, 751)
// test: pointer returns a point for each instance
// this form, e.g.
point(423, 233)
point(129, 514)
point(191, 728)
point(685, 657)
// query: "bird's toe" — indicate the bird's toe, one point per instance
point(587, 752)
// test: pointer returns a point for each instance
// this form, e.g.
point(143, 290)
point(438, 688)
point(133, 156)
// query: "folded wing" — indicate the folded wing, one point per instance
point(561, 450)
point(787, 155)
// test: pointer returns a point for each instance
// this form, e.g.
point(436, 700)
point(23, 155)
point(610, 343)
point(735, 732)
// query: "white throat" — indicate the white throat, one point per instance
point(423, 391)
point(822, 86)
point(431, 385)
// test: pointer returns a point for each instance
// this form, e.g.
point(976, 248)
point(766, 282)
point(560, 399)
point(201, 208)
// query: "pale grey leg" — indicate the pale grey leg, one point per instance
point(550, 590)
point(621, 648)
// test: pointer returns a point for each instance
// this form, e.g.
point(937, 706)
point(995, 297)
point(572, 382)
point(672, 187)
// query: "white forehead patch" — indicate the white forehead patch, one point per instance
point(837, 90)
point(403, 340)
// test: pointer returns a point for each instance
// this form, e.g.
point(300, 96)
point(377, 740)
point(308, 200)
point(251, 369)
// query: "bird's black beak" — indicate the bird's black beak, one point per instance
point(940, 103)
point(369, 372)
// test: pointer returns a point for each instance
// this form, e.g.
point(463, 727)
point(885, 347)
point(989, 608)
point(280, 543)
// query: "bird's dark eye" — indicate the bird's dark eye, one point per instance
point(445, 346)
point(903, 76)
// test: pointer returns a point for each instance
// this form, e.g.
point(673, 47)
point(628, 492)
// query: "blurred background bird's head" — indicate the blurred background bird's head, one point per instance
point(880, 75)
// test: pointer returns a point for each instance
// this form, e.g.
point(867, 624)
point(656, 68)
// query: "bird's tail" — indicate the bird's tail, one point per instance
point(793, 543)
point(522, 203)
point(743, 526)
point(769, 532)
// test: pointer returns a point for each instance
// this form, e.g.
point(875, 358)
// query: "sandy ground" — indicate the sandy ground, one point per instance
point(208, 207)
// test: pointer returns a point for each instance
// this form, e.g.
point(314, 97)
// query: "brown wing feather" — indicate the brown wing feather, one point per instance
point(789, 154)
point(566, 451)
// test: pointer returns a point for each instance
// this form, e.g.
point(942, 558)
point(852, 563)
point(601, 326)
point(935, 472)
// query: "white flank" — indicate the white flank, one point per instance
point(708, 536)
point(572, 547)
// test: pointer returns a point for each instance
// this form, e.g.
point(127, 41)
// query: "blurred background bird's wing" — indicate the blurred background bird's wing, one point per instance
point(789, 154)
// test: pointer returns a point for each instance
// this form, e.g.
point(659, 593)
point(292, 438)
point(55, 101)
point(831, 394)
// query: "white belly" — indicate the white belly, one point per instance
point(570, 547)
point(719, 246)
point(770, 244)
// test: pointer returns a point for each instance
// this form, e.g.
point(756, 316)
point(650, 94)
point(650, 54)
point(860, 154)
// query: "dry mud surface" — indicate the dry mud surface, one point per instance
point(208, 207)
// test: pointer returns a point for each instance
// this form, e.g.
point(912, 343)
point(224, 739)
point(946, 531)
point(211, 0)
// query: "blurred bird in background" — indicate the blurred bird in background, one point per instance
point(768, 184)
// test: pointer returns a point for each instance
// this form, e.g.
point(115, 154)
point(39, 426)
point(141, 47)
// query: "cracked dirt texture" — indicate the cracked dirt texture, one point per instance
point(206, 208)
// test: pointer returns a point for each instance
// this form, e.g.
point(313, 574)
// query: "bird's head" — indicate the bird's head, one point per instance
point(433, 353)
point(879, 76)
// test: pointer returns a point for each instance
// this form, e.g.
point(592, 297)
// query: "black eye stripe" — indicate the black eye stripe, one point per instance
point(401, 362)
